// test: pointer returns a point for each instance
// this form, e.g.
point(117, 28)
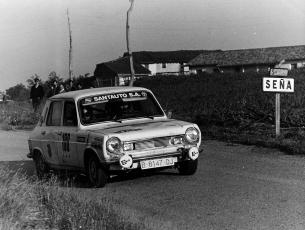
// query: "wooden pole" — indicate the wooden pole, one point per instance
point(70, 49)
point(132, 72)
point(277, 114)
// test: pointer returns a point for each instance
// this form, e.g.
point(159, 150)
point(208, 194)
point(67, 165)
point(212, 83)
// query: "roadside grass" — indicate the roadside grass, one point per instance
point(17, 115)
point(291, 141)
point(26, 203)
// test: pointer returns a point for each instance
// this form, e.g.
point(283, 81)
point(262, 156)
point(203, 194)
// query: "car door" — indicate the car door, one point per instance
point(50, 133)
point(68, 144)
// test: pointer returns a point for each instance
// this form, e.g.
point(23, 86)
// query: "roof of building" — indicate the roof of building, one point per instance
point(96, 91)
point(271, 55)
point(121, 66)
point(178, 56)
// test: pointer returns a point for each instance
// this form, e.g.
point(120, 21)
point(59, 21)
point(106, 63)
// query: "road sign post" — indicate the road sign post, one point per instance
point(277, 114)
point(278, 83)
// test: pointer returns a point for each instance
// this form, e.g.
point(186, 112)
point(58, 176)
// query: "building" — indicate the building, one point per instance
point(248, 60)
point(117, 72)
point(166, 62)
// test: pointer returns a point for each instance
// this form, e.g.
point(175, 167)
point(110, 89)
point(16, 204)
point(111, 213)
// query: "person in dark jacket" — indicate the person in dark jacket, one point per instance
point(37, 94)
point(54, 89)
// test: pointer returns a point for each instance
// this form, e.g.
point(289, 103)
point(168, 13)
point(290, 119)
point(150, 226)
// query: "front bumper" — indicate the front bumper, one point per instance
point(180, 153)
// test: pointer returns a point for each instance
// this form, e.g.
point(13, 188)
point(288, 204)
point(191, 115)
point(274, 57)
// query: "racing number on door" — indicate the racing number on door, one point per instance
point(66, 142)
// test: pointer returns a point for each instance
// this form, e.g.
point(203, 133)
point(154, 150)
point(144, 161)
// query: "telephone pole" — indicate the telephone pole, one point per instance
point(70, 49)
point(132, 72)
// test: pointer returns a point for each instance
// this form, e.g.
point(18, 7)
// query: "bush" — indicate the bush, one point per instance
point(232, 106)
point(226, 97)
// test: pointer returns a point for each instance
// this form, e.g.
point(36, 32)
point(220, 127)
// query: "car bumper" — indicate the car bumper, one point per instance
point(178, 154)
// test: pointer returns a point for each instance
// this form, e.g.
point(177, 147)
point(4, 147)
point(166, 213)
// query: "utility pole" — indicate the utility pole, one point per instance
point(128, 48)
point(70, 49)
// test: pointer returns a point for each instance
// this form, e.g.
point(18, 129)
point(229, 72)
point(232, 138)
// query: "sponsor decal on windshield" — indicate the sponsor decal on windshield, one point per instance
point(113, 96)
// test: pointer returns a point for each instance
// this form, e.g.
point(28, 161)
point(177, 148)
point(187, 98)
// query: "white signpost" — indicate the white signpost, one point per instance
point(278, 83)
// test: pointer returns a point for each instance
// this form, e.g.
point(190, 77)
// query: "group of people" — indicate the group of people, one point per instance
point(37, 92)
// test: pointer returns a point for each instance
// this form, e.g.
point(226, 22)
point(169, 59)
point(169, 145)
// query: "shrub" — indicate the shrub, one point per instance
point(227, 97)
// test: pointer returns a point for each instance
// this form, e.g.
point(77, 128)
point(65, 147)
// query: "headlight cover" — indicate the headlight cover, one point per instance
point(192, 135)
point(114, 145)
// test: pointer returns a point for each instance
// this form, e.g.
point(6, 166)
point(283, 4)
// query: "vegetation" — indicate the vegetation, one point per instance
point(18, 93)
point(233, 107)
point(27, 203)
point(14, 114)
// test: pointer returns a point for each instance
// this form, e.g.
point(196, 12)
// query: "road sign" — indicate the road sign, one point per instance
point(278, 85)
point(279, 72)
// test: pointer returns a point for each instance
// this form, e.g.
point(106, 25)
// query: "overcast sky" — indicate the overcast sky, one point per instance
point(34, 33)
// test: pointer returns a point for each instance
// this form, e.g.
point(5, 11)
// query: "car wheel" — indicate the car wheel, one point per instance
point(97, 175)
point(188, 167)
point(42, 169)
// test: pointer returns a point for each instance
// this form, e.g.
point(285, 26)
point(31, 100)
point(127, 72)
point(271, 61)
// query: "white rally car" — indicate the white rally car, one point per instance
point(105, 130)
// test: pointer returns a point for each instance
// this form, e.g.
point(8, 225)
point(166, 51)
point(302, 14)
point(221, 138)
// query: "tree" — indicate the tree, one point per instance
point(53, 77)
point(18, 92)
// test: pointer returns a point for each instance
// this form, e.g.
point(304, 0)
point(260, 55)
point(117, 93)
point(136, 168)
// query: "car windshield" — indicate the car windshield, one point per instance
point(118, 106)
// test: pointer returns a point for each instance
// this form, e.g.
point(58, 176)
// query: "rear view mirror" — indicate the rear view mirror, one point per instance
point(169, 114)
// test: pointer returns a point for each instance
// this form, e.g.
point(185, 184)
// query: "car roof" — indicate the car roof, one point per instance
point(94, 91)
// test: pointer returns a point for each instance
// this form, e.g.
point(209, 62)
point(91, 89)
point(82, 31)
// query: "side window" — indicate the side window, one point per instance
point(54, 115)
point(70, 117)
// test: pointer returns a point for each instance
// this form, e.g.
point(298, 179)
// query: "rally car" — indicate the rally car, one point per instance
point(101, 131)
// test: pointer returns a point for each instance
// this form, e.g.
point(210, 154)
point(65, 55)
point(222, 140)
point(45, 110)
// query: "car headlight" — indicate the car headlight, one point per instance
point(192, 135)
point(114, 145)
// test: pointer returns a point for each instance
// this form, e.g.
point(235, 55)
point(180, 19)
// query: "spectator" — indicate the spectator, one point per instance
point(54, 89)
point(77, 86)
point(36, 94)
point(61, 88)
point(68, 87)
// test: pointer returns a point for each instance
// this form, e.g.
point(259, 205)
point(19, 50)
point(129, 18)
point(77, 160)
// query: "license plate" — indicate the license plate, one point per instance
point(157, 163)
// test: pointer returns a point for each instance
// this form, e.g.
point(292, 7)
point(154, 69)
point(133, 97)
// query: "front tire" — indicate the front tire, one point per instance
point(97, 175)
point(188, 167)
point(42, 169)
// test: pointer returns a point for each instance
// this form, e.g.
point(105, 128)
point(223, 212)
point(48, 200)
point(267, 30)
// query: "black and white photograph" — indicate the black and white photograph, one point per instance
point(152, 114)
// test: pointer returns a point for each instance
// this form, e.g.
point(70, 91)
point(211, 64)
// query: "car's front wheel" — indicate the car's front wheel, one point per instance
point(188, 167)
point(97, 175)
point(42, 169)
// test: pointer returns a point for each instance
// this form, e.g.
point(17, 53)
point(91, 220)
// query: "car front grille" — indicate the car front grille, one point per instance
point(152, 143)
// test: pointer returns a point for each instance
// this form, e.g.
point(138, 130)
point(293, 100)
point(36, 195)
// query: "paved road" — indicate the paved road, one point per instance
point(235, 187)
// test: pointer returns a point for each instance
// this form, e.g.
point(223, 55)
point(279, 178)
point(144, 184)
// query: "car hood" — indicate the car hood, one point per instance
point(145, 130)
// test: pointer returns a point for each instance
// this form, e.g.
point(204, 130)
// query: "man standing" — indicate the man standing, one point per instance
point(54, 89)
point(37, 94)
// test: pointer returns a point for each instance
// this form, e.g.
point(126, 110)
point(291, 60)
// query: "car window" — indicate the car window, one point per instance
point(70, 117)
point(117, 106)
point(54, 115)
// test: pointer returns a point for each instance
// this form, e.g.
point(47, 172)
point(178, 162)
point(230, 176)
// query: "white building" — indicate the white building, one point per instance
point(166, 62)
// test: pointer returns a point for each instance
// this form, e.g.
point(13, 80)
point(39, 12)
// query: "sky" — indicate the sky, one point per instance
point(34, 35)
